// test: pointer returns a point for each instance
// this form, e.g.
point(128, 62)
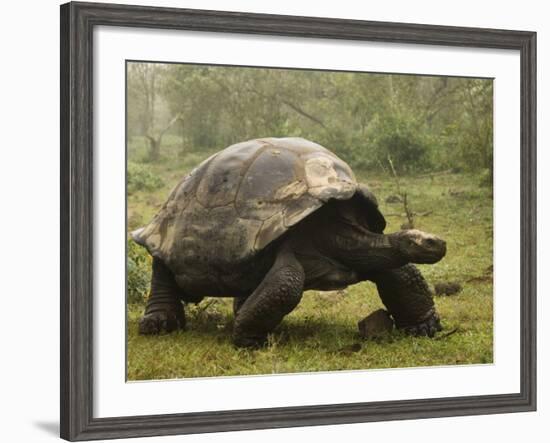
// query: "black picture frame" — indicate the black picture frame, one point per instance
point(77, 23)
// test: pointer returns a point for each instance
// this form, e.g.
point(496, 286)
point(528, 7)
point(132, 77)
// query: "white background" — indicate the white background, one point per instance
point(29, 184)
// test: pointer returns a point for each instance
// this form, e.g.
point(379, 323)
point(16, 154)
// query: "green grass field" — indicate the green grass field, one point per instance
point(321, 333)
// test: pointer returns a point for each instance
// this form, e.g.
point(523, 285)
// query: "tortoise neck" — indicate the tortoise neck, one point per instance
point(364, 251)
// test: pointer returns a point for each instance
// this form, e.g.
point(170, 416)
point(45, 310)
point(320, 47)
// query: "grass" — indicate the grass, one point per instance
point(321, 333)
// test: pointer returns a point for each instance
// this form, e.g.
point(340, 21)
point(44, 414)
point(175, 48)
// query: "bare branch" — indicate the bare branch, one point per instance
point(408, 212)
point(304, 113)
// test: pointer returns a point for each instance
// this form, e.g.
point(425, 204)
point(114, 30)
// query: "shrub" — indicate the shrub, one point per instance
point(404, 140)
point(141, 178)
point(138, 272)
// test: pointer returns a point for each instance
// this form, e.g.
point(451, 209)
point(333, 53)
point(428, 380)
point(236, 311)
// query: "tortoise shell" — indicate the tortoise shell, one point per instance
point(241, 199)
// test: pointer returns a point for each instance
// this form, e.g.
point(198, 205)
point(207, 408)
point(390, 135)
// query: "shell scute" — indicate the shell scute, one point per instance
point(273, 178)
point(222, 176)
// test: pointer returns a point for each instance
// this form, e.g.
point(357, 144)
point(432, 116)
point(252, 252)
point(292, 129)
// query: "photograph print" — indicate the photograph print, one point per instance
point(291, 221)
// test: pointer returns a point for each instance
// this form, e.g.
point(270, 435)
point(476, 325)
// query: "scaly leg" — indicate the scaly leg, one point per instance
point(164, 310)
point(276, 296)
point(408, 298)
point(237, 304)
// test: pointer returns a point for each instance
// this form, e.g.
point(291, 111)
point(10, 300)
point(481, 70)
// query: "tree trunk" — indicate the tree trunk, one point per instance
point(154, 148)
point(155, 142)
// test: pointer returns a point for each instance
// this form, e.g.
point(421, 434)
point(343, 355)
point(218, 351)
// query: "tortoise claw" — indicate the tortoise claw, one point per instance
point(160, 322)
point(427, 328)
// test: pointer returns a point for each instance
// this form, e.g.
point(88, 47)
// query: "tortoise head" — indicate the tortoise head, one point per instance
point(419, 247)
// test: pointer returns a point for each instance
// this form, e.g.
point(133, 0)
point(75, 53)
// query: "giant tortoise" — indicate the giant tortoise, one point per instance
point(264, 220)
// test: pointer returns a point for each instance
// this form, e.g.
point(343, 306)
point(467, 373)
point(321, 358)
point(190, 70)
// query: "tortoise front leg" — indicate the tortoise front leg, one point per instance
point(238, 302)
point(408, 298)
point(276, 296)
point(164, 310)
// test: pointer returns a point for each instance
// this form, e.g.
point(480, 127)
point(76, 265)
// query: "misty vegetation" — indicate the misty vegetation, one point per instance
point(423, 123)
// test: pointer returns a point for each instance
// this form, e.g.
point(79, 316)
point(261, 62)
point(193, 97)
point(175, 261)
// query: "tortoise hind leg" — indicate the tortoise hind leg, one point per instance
point(276, 296)
point(164, 311)
point(408, 298)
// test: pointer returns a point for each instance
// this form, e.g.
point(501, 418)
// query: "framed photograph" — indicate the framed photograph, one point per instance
point(272, 221)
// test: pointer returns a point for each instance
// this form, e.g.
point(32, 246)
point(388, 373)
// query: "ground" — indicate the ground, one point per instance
point(321, 333)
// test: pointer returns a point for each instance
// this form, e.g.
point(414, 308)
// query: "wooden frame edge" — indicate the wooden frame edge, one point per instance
point(76, 275)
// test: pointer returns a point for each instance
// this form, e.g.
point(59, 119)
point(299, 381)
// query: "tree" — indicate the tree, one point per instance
point(145, 100)
point(422, 122)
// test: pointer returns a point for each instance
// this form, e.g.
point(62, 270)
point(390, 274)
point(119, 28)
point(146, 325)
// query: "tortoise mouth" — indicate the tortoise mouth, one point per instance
point(434, 250)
